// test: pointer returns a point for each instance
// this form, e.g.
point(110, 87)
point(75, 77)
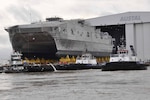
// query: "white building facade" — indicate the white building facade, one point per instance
point(137, 30)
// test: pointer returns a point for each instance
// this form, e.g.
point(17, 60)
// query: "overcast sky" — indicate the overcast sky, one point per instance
point(14, 12)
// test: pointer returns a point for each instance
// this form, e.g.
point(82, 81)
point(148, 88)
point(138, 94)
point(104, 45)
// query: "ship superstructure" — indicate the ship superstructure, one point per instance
point(56, 36)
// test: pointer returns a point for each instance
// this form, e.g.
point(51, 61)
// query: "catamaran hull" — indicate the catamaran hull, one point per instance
point(57, 37)
point(43, 45)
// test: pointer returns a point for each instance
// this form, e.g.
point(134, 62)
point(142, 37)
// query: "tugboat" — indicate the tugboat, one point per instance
point(121, 60)
point(86, 61)
point(1, 69)
point(15, 65)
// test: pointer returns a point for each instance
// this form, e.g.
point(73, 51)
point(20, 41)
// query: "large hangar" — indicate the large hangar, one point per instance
point(134, 26)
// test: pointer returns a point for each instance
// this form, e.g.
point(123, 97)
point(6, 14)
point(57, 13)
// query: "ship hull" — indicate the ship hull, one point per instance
point(59, 38)
point(74, 47)
point(44, 45)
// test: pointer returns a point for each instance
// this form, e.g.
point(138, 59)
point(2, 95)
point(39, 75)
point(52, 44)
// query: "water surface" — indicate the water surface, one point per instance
point(76, 85)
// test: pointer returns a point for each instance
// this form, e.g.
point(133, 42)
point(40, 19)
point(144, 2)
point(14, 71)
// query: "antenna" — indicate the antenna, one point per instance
point(30, 15)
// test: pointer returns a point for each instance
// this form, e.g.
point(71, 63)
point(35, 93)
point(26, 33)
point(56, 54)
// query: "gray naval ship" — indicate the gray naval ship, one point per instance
point(57, 37)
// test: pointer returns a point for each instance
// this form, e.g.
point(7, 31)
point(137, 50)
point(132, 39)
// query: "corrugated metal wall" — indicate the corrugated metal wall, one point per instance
point(138, 35)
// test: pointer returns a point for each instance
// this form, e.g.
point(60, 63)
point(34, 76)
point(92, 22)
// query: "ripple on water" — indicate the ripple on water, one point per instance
point(76, 85)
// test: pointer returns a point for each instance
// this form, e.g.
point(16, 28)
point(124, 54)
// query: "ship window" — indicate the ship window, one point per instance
point(88, 34)
point(64, 30)
point(55, 28)
point(72, 32)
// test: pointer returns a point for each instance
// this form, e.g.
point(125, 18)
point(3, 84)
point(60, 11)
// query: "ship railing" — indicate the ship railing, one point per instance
point(25, 30)
point(114, 55)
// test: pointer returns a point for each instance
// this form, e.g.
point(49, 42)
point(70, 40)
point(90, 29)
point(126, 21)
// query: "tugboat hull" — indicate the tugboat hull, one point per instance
point(114, 66)
point(12, 69)
point(77, 66)
point(39, 68)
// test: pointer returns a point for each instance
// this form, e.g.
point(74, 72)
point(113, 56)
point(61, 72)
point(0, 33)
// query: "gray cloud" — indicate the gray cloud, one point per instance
point(90, 9)
point(24, 11)
point(35, 2)
point(4, 38)
point(24, 14)
point(5, 46)
point(5, 53)
point(1, 16)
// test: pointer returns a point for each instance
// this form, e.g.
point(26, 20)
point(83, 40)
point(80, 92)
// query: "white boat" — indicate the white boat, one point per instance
point(86, 61)
point(121, 60)
point(15, 64)
point(123, 56)
point(86, 58)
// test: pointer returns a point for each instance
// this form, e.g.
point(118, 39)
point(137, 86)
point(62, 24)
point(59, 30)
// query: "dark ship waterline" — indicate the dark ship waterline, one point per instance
point(56, 37)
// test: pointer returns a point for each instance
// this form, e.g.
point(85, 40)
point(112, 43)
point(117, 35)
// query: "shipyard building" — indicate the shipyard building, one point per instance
point(133, 26)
